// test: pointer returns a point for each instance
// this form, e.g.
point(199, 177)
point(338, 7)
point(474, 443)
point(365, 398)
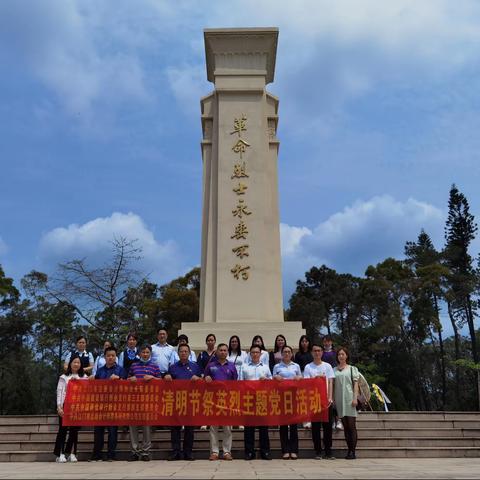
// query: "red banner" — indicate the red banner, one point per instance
point(185, 402)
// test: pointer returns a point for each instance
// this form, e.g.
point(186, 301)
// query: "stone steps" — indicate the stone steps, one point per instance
point(87, 435)
point(305, 443)
point(362, 452)
point(381, 435)
point(366, 424)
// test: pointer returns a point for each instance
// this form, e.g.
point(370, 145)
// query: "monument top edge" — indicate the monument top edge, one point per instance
point(225, 46)
point(245, 30)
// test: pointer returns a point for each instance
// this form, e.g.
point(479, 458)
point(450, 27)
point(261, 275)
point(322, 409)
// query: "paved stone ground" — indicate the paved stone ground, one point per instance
point(393, 468)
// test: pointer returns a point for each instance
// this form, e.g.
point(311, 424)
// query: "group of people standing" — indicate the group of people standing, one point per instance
point(162, 361)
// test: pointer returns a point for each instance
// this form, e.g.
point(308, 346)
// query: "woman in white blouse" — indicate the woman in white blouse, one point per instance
point(67, 452)
point(235, 353)
point(288, 370)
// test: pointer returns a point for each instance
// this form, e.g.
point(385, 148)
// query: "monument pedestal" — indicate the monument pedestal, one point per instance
point(197, 332)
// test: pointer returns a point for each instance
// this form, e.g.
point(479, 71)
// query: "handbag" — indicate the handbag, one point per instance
point(363, 387)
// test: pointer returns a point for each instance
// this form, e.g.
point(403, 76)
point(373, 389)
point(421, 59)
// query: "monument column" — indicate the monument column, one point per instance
point(241, 284)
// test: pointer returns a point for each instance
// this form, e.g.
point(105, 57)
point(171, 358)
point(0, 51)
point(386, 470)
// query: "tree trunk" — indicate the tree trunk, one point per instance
point(327, 321)
point(457, 351)
point(442, 362)
point(473, 341)
point(60, 353)
point(442, 353)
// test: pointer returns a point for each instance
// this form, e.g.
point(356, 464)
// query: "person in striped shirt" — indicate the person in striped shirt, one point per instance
point(143, 369)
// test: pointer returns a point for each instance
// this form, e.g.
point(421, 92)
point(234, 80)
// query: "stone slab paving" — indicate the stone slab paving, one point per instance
point(392, 468)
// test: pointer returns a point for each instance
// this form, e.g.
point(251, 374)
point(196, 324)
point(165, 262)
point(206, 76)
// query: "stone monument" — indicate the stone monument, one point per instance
point(241, 284)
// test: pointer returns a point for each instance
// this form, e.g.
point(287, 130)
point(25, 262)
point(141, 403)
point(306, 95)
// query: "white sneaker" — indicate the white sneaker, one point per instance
point(61, 459)
point(72, 458)
point(241, 427)
point(339, 425)
point(307, 425)
point(203, 427)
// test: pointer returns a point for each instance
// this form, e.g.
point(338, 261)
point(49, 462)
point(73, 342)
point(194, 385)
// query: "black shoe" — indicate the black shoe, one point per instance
point(133, 458)
point(95, 459)
point(350, 456)
point(174, 457)
point(329, 457)
point(145, 458)
point(189, 458)
point(250, 456)
point(266, 456)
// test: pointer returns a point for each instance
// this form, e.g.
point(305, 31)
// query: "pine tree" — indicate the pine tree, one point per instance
point(427, 291)
point(460, 231)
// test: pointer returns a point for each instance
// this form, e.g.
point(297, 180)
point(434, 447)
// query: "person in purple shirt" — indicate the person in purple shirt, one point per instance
point(220, 368)
point(184, 369)
point(147, 370)
point(110, 371)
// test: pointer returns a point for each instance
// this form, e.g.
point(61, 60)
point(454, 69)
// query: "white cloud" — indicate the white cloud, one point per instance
point(101, 52)
point(290, 237)
point(67, 46)
point(93, 241)
point(331, 52)
point(362, 234)
point(188, 84)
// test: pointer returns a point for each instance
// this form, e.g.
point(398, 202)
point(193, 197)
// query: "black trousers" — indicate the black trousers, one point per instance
point(327, 434)
point(350, 432)
point(71, 446)
point(176, 436)
point(289, 438)
point(249, 440)
point(98, 441)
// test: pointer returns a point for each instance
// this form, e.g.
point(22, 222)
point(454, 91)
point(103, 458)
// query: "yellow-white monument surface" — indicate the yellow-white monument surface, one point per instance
point(241, 283)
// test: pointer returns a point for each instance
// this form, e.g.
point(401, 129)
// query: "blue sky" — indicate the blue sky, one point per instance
point(100, 128)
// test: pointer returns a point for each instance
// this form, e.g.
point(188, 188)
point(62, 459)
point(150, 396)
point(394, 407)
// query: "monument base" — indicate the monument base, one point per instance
point(197, 332)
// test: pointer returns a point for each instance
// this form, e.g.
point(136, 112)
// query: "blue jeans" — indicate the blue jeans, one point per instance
point(99, 441)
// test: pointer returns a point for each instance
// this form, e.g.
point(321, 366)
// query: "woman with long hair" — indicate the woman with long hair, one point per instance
point(275, 357)
point(346, 393)
point(67, 452)
point(207, 355)
point(235, 353)
point(304, 355)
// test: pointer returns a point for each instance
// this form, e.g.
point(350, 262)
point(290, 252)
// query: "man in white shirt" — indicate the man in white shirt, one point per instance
point(317, 368)
point(163, 354)
point(256, 370)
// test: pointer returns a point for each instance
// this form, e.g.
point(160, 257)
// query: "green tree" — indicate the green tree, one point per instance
point(313, 302)
point(55, 324)
point(16, 396)
point(427, 292)
point(460, 231)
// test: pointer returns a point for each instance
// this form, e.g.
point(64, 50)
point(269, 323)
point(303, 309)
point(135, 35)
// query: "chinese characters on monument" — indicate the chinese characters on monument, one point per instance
point(241, 209)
